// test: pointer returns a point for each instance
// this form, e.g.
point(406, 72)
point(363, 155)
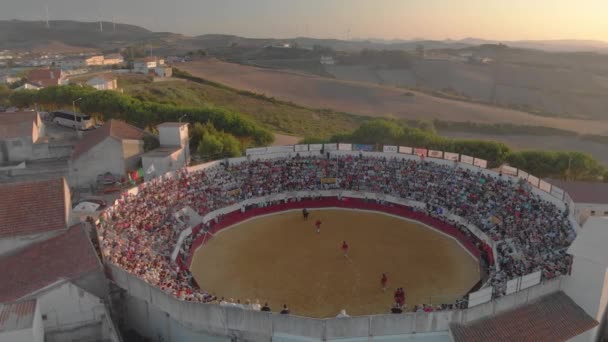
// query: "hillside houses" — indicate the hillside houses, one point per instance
point(104, 82)
point(46, 77)
point(153, 66)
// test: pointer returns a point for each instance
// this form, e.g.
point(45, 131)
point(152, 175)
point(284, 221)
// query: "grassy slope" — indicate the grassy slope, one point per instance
point(275, 115)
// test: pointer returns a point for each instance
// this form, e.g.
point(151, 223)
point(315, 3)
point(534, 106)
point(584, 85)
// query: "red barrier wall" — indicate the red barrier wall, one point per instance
point(329, 202)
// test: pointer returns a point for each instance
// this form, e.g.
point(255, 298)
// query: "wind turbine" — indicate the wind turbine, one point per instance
point(48, 25)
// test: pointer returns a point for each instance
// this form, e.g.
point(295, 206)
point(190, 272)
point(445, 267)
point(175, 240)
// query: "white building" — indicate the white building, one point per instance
point(65, 277)
point(116, 148)
point(21, 137)
point(143, 66)
point(21, 322)
point(104, 82)
point(173, 153)
point(29, 86)
point(590, 198)
point(162, 71)
point(71, 63)
point(327, 60)
point(113, 59)
point(588, 282)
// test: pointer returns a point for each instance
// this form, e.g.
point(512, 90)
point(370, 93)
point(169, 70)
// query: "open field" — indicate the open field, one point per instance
point(552, 91)
point(282, 260)
point(539, 142)
point(279, 117)
point(371, 100)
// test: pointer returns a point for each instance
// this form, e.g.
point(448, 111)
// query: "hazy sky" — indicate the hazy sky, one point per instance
point(434, 19)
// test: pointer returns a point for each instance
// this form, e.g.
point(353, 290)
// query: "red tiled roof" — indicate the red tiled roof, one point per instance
point(17, 124)
point(114, 128)
point(44, 77)
point(67, 256)
point(44, 74)
point(32, 207)
point(43, 82)
point(554, 317)
point(17, 316)
point(584, 192)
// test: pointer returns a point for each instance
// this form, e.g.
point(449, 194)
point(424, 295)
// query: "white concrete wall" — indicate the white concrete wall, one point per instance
point(260, 326)
point(132, 148)
point(73, 312)
point(163, 165)
point(24, 335)
point(37, 326)
point(173, 135)
point(588, 287)
point(105, 157)
point(19, 149)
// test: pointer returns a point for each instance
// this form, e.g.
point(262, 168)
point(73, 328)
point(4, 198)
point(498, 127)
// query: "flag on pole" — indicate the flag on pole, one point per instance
point(151, 169)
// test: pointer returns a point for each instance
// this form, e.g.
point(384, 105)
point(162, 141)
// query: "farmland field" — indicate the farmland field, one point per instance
point(371, 100)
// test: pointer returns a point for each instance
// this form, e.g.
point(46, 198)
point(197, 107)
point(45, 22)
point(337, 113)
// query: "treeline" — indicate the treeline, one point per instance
point(107, 105)
point(379, 58)
point(499, 128)
point(546, 164)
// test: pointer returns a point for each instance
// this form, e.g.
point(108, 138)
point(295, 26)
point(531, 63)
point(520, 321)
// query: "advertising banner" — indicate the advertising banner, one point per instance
point(435, 154)
point(254, 151)
point(451, 156)
point(330, 147)
point(421, 152)
point(544, 186)
point(405, 149)
point(280, 149)
point(390, 149)
point(508, 170)
point(466, 159)
point(315, 147)
point(522, 174)
point(345, 147)
point(482, 163)
point(362, 147)
point(533, 180)
point(300, 148)
point(328, 180)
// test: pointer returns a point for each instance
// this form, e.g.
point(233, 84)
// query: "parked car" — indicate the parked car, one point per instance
point(97, 200)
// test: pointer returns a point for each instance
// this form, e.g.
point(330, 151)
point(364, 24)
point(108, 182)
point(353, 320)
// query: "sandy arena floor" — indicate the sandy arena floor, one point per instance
point(281, 259)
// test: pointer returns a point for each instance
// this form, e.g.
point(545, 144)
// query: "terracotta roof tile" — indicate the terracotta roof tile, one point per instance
point(17, 316)
point(17, 124)
point(32, 207)
point(67, 256)
point(554, 317)
point(44, 74)
point(113, 128)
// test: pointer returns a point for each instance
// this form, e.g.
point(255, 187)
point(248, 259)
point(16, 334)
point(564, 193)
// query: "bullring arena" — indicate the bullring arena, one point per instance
point(282, 259)
point(201, 245)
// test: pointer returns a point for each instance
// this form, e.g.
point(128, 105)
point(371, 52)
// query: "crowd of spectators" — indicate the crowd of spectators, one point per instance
point(140, 231)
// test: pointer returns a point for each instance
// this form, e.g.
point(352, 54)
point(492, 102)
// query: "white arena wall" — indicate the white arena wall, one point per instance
point(160, 314)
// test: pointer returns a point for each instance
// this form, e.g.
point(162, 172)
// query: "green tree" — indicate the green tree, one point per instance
point(5, 94)
point(210, 147)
